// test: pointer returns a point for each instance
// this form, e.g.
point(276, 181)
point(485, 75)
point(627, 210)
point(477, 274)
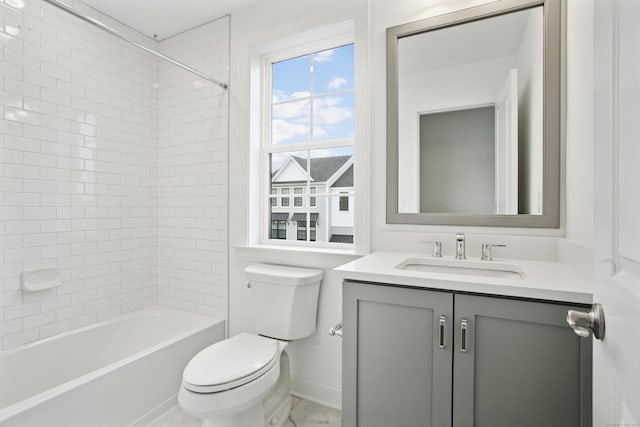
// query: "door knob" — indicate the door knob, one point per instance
point(585, 323)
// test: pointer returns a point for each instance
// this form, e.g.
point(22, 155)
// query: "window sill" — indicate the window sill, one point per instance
point(325, 258)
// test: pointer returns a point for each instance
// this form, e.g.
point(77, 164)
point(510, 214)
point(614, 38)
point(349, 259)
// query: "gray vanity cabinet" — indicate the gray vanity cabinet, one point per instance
point(395, 371)
point(520, 365)
point(409, 362)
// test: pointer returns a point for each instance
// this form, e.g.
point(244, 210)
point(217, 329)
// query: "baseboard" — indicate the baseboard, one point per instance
point(156, 412)
point(320, 393)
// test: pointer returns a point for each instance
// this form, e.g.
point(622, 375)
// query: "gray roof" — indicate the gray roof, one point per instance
point(341, 238)
point(303, 216)
point(346, 179)
point(322, 168)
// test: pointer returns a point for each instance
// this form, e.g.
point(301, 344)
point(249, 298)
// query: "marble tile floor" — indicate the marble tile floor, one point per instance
point(303, 414)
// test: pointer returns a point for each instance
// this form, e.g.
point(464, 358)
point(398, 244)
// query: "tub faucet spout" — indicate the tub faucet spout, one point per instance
point(460, 250)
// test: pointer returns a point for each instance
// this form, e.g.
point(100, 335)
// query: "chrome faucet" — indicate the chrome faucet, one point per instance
point(436, 247)
point(460, 250)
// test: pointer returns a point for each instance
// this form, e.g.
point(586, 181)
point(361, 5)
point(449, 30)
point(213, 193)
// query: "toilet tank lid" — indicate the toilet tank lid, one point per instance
point(282, 275)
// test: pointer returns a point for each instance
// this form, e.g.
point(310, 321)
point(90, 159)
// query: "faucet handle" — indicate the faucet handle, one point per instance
point(487, 253)
point(437, 248)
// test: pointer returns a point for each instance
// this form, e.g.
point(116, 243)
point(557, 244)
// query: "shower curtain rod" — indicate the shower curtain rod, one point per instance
point(114, 33)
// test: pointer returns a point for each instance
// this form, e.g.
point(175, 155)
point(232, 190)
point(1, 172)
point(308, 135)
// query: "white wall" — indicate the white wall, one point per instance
point(77, 172)
point(192, 172)
point(579, 156)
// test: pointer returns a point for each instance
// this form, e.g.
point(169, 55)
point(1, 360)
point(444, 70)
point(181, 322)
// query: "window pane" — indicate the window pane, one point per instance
point(291, 122)
point(333, 117)
point(333, 70)
point(278, 230)
point(302, 230)
point(301, 226)
point(291, 79)
point(312, 199)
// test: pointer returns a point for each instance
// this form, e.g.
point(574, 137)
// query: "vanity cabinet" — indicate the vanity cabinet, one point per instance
point(416, 357)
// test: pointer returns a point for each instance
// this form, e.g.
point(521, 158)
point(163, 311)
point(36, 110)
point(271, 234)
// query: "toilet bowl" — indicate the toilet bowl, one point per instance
point(231, 382)
point(225, 384)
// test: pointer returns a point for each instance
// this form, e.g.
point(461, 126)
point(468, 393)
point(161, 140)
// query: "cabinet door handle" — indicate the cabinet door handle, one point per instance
point(442, 326)
point(463, 335)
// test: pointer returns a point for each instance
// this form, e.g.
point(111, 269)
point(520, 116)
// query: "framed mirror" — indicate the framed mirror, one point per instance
point(474, 105)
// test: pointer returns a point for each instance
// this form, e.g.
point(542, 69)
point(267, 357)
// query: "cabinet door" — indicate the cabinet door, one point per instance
point(523, 366)
point(395, 370)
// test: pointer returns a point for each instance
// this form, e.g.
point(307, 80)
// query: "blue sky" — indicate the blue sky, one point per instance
point(330, 71)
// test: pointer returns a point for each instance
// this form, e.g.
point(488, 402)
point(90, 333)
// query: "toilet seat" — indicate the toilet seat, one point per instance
point(230, 363)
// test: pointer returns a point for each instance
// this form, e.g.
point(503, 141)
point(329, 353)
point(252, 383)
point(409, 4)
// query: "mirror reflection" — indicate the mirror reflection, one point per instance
point(470, 117)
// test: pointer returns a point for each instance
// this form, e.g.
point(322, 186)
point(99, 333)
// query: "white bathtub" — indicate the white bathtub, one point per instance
point(120, 372)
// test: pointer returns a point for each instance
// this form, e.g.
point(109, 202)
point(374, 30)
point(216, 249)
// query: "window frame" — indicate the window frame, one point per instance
point(266, 148)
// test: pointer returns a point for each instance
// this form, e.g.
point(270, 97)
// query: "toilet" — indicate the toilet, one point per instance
point(243, 381)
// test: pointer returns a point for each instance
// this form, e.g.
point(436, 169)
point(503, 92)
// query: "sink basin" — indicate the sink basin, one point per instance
point(495, 269)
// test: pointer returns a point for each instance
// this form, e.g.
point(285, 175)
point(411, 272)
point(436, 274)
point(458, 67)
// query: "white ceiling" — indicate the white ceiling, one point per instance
point(165, 18)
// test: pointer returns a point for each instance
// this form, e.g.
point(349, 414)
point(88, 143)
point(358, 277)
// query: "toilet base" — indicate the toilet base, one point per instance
point(277, 405)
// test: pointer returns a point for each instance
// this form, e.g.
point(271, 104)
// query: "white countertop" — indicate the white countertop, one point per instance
point(543, 280)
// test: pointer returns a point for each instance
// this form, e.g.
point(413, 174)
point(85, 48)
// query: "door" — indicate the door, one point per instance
point(396, 356)
point(616, 364)
point(517, 363)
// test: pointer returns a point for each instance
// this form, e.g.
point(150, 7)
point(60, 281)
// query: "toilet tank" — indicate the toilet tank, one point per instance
point(285, 300)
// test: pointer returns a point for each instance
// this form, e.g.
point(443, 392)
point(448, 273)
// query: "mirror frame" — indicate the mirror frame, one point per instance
point(553, 115)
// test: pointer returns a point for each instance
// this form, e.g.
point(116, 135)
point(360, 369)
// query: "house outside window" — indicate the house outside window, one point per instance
point(310, 142)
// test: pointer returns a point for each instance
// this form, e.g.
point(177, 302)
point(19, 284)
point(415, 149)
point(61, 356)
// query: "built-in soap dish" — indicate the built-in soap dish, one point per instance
point(40, 280)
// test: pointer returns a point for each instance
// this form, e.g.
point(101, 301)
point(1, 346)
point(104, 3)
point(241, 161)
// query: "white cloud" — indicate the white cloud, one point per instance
point(323, 56)
point(283, 130)
point(292, 110)
point(291, 120)
point(281, 96)
point(319, 132)
point(337, 83)
point(329, 112)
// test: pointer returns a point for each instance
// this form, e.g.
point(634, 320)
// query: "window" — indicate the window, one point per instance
point(274, 197)
point(284, 202)
point(310, 136)
point(278, 229)
point(302, 230)
point(344, 203)
point(312, 199)
point(297, 201)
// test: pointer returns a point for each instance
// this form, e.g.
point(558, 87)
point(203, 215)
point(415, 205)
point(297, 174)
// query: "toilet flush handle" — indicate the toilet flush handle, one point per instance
point(336, 330)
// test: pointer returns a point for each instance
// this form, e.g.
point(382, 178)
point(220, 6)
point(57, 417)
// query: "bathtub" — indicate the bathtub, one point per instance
point(121, 372)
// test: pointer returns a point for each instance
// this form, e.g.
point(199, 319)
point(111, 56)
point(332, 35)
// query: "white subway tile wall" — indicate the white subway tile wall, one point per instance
point(86, 122)
point(192, 173)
